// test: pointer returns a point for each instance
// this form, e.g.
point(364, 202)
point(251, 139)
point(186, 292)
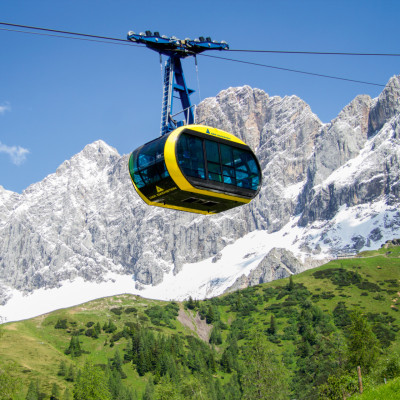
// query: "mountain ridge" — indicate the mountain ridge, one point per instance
point(85, 220)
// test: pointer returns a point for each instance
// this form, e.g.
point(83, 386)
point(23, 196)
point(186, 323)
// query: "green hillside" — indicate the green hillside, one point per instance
point(294, 338)
point(389, 391)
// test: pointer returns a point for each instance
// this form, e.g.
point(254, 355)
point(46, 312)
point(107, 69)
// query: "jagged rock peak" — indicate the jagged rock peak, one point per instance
point(356, 114)
point(98, 152)
point(387, 105)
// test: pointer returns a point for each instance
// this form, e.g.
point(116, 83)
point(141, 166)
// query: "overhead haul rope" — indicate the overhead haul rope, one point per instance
point(231, 50)
point(293, 70)
point(124, 42)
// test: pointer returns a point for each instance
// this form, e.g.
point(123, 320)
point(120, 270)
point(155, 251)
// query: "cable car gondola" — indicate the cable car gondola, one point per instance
point(195, 168)
point(191, 167)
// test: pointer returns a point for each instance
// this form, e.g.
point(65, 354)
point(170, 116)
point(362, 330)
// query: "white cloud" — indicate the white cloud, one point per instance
point(5, 107)
point(16, 153)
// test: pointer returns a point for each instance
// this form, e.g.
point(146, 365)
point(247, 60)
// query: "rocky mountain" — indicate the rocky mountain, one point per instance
point(327, 189)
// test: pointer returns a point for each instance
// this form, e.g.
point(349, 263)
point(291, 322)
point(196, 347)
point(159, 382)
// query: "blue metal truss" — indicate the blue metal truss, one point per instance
point(174, 78)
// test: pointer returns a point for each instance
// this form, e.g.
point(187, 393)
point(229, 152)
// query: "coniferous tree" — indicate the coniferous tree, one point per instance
point(55, 392)
point(91, 384)
point(67, 395)
point(212, 314)
point(114, 384)
point(193, 388)
point(272, 326)
point(117, 364)
point(290, 286)
point(97, 328)
point(74, 347)
point(215, 336)
point(264, 376)
point(32, 393)
point(229, 356)
point(70, 376)
point(62, 369)
point(190, 304)
point(167, 390)
point(232, 389)
point(149, 390)
point(362, 344)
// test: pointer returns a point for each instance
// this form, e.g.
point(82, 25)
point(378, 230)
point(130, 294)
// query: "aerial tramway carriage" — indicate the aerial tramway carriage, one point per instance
point(191, 167)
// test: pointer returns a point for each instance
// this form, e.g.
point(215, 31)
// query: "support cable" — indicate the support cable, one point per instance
point(293, 70)
point(317, 53)
point(124, 42)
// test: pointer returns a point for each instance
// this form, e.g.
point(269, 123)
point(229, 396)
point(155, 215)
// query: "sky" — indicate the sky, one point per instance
point(58, 95)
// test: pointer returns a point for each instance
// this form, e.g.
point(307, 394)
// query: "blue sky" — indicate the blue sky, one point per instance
point(57, 95)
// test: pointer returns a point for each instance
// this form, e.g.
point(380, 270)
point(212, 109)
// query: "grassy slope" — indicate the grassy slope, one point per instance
point(38, 348)
point(390, 391)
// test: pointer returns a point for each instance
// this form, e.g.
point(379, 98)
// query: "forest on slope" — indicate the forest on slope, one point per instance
point(301, 337)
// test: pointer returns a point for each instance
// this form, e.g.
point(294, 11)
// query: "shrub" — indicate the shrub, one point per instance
point(117, 310)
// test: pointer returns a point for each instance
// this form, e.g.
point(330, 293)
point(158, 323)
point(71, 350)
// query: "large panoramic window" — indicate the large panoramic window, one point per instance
point(213, 161)
point(150, 165)
point(190, 156)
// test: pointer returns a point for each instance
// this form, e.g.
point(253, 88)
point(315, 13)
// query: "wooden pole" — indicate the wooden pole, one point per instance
point(359, 379)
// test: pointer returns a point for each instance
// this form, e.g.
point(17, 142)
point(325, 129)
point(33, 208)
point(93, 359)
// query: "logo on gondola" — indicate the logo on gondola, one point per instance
point(161, 191)
point(217, 135)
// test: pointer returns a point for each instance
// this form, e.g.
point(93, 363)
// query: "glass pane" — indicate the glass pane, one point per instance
point(240, 159)
point(252, 166)
point(162, 169)
point(255, 182)
point(229, 175)
point(226, 155)
point(244, 180)
point(212, 151)
point(190, 156)
point(150, 175)
point(214, 172)
point(147, 155)
point(138, 180)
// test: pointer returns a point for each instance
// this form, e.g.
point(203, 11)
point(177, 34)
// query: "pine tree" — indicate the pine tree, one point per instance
point(62, 369)
point(117, 364)
point(149, 390)
point(167, 390)
point(362, 344)
point(290, 286)
point(215, 336)
point(190, 303)
point(74, 347)
point(114, 384)
point(272, 326)
point(92, 384)
point(97, 328)
point(70, 375)
point(232, 388)
point(264, 376)
point(33, 393)
point(67, 394)
point(55, 393)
